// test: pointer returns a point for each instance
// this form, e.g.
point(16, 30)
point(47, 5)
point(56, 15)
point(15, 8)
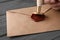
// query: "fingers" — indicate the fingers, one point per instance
point(46, 1)
point(54, 3)
point(56, 6)
point(51, 1)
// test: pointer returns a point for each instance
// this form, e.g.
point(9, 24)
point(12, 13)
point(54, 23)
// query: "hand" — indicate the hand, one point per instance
point(55, 3)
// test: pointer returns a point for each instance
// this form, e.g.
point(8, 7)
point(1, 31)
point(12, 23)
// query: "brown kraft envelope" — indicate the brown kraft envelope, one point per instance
point(19, 21)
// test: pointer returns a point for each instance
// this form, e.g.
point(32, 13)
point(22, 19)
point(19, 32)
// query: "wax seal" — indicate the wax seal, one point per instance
point(38, 17)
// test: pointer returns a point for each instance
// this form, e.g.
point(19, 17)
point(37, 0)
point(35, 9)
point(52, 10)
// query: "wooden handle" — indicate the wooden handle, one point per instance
point(39, 4)
point(38, 9)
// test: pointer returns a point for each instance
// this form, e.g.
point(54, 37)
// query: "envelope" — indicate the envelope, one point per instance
point(19, 21)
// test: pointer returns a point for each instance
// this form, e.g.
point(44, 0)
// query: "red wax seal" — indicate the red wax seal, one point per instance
point(38, 17)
